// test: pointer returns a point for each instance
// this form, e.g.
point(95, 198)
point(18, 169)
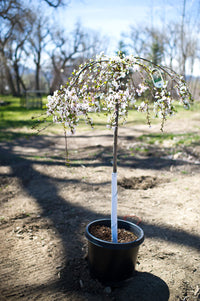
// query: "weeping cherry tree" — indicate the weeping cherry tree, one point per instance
point(114, 85)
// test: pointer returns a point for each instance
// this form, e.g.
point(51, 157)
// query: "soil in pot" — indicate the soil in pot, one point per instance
point(104, 233)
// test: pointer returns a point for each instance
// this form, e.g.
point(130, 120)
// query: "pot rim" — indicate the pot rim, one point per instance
point(109, 244)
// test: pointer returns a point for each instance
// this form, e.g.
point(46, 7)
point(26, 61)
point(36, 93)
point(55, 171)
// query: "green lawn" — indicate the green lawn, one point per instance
point(17, 121)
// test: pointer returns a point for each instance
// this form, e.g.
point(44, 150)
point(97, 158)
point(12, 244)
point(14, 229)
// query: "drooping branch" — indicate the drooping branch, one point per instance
point(100, 83)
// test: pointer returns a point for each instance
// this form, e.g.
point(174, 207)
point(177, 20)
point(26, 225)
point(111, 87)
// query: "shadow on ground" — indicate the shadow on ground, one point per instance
point(144, 286)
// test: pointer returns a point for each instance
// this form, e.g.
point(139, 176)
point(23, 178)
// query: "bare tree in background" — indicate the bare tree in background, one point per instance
point(9, 11)
point(182, 39)
point(18, 51)
point(171, 38)
point(70, 50)
point(8, 7)
point(56, 3)
point(136, 40)
point(174, 43)
point(14, 30)
point(38, 40)
point(5, 35)
point(26, 39)
point(65, 48)
point(145, 42)
point(156, 46)
point(189, 43)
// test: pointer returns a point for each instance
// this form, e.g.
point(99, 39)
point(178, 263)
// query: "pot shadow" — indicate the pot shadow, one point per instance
point(142, 286)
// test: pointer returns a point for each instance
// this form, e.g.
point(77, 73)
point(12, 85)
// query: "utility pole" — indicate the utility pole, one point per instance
point(183, 55)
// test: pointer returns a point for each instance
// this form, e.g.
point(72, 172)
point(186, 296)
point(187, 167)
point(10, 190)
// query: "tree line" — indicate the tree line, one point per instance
point(37, 55)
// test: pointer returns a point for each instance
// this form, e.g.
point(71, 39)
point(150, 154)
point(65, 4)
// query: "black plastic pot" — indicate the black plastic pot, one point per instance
point(112, 262)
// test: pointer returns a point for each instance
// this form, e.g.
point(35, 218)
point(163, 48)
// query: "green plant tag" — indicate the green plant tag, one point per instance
point(157, 78)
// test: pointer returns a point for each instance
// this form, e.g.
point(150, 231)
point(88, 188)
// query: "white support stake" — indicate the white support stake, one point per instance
point(114, 208)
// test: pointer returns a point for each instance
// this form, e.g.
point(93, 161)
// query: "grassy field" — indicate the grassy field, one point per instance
point(17, 121)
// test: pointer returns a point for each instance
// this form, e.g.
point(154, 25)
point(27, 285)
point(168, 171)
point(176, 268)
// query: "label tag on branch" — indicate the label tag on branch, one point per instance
point(157, 78)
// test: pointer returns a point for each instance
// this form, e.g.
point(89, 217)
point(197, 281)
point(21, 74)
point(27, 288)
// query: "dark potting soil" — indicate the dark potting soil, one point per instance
point(104, 233)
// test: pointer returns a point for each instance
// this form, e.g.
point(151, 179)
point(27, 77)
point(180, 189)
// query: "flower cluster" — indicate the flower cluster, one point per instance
point(110, 84)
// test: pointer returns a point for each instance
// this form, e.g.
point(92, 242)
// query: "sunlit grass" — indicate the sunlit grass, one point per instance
point(17, 121)
point(174, 139)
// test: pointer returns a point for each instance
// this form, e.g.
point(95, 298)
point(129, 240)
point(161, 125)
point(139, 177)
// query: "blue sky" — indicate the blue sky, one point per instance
point(108, 16)
point(112, 17)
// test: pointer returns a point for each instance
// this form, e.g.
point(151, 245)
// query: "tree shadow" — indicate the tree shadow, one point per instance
point(59, 211)
point(142, 286)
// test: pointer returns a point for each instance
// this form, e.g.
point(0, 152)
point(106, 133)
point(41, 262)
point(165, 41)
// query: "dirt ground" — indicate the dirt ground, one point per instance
point(46, 205)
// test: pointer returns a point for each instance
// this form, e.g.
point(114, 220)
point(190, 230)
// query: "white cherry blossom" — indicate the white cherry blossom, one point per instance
point(104, 82)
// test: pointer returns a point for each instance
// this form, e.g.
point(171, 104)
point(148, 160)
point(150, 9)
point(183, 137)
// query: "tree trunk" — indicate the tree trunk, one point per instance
point(10, 81)
point(8, 75)
point(37, 77)
point(16, 69)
